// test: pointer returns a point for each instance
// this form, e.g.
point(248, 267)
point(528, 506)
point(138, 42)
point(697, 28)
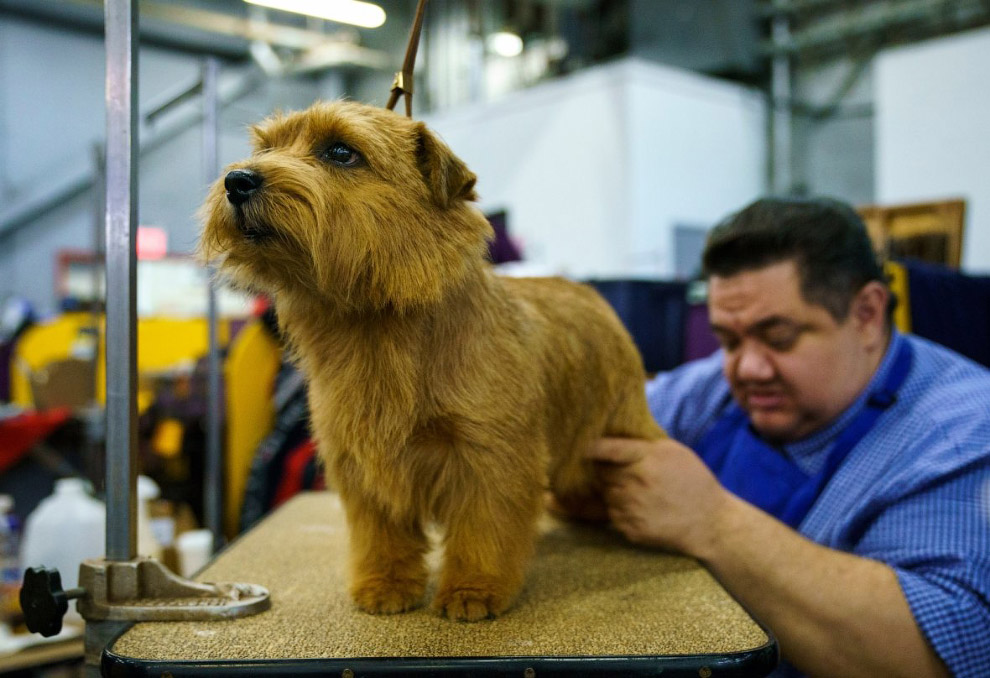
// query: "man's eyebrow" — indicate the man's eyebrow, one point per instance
point(759, 326)
point(718, 329)
point(772, 321)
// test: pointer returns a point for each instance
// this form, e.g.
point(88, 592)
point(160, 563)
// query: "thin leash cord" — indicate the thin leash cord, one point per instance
point(403, 83)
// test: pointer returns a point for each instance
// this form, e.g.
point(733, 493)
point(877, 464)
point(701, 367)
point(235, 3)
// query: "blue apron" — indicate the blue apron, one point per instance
point(763, 476)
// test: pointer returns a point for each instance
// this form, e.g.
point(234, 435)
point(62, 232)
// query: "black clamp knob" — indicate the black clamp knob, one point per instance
point(44, 602)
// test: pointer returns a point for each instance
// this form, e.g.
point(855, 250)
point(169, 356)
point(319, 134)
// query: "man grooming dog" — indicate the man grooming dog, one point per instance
point(833, 473)
point(439, 391)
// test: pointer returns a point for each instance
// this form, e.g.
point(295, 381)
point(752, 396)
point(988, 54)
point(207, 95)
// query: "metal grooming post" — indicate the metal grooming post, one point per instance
point(213, 499)
point(121, 274)
point(121, 18)
point(782, 176)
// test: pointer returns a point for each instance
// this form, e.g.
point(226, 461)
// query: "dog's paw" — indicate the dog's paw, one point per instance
point(469, 604)
point(388, 596)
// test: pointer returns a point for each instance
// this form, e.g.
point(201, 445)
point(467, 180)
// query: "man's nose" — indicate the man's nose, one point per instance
point(240, 184)
point(752, 364)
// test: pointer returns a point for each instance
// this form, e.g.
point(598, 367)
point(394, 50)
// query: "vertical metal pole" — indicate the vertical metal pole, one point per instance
point(213, 483)
point(782, 176)
point(121, 264)
point(121, 22)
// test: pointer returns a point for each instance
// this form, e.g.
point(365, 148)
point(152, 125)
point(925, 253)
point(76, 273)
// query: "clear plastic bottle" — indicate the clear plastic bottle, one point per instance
point(10, 571)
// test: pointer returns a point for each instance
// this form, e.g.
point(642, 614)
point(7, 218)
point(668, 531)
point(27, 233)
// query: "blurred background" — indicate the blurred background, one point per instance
point(608, 137)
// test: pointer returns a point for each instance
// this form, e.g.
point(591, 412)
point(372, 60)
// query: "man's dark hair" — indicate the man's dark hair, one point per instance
point(825, 238)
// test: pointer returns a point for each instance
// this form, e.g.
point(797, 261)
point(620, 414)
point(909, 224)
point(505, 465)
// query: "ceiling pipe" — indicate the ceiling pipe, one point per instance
point(59, 191)
point(203, 31)
point(873, 19)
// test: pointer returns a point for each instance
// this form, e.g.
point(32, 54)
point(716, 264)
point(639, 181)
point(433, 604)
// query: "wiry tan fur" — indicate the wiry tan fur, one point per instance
point(438, 390)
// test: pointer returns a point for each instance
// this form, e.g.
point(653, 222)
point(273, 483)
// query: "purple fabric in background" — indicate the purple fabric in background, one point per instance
point(502, 249)
point(654, 313)
point(6, 351)
point(699, 342)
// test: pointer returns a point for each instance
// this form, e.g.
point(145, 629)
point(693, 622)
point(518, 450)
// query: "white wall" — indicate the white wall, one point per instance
point(554, 156)
point(832, 155)
point(697, 148)
point(597, 168)
point(933, 131)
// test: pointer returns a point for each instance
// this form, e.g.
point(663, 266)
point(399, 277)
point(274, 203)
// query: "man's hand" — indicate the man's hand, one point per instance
point(660, 493)
point(834, 613)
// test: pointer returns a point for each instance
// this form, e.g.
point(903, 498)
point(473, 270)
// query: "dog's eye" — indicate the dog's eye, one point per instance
point(342, 154)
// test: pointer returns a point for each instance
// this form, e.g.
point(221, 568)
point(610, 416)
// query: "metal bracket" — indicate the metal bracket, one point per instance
point(143, 589)
point(401, 83)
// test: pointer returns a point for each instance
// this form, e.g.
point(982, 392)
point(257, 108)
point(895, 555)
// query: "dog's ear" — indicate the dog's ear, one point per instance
point(447, 177)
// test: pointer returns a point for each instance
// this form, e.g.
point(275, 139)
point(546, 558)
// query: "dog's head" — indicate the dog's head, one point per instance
point(358, 205)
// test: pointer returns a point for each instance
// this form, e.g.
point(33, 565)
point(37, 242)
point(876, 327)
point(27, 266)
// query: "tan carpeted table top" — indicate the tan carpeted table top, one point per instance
point(588, 594)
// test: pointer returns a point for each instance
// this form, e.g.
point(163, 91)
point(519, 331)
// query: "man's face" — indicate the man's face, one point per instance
point(790, 365)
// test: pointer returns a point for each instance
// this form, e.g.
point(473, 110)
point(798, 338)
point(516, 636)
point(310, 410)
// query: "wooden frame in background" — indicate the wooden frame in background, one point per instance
point(931, 231)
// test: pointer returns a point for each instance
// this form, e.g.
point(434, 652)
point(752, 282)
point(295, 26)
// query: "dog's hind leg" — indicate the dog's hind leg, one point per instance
point(631, 417)
point(388, 567)
point(573, 481)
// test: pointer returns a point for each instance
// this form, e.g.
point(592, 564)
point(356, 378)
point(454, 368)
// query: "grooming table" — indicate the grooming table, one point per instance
point(592, 606)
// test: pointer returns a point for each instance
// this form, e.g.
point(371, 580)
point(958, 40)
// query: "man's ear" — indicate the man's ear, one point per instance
point(447, 177)
point(869, 310)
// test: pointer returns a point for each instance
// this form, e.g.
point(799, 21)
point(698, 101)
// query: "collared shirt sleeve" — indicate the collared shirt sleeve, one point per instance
point(686, 401)
point(937, 540)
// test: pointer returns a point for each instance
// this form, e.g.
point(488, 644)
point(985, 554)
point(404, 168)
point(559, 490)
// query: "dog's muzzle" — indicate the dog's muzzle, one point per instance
point(241, 185)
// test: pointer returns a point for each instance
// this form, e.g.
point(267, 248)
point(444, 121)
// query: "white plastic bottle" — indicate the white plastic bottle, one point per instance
point(148, 543)
point(65, 529)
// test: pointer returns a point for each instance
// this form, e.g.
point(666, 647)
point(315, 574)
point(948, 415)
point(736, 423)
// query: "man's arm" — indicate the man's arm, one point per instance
point(833, 613)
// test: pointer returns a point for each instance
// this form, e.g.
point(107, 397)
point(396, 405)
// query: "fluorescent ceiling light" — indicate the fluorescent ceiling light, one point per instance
point(505, 44)
point(353, 12)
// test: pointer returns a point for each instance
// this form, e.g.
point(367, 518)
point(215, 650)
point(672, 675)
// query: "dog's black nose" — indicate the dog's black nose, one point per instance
point(240, 184)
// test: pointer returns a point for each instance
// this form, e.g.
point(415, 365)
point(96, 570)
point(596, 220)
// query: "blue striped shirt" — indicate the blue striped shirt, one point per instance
point(914, 493)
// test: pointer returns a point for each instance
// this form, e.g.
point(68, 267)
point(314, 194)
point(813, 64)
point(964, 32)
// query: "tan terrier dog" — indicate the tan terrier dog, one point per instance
point(439, 391)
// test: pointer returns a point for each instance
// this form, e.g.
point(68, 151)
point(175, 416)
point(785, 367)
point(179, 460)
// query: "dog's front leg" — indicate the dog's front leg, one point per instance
point(489, 542)
point(388, 570)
